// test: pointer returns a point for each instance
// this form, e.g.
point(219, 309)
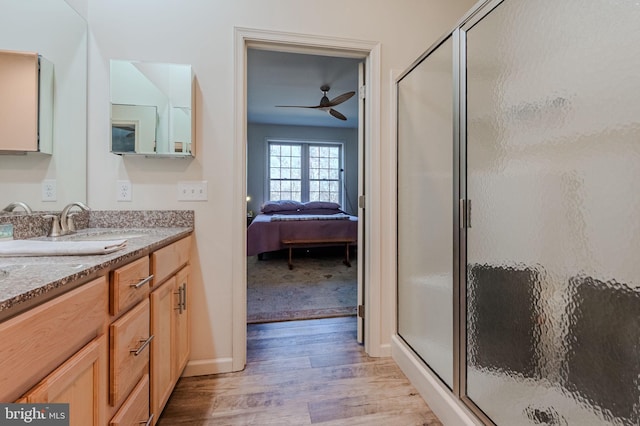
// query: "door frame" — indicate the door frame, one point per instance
point(245, 38)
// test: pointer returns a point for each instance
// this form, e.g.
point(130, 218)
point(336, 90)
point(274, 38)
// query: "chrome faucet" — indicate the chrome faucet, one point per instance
point(15, 204)
point(66, 219)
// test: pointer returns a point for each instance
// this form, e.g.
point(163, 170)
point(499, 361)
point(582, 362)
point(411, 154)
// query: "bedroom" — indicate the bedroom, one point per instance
point(302, 154)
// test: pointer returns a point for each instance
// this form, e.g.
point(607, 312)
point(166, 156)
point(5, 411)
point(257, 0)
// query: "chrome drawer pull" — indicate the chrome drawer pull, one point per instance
point(182, 298)
point(148, 422)
point(142, 282)
point(145, 343)
point(183, 289)
point(179, 294)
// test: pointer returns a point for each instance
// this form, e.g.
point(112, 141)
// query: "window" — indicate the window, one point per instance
point(305, 171)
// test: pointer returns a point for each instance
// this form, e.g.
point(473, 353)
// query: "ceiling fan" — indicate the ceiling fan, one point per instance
point(325, 103)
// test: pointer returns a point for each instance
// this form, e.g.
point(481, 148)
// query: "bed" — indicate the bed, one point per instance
point(284, 224)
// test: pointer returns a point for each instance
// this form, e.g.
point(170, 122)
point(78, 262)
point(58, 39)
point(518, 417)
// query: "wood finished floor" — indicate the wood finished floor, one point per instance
point(301, 373)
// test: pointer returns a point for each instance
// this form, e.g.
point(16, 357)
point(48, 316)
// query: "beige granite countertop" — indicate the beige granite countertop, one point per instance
point(28, 281)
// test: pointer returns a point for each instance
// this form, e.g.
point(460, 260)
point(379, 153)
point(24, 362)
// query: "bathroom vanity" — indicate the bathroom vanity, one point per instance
point(108, 334)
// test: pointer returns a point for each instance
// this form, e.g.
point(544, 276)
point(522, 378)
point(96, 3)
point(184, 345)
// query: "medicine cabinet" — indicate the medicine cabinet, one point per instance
point(152, 109)
point(26, 104)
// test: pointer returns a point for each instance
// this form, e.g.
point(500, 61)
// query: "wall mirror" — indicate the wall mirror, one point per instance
point(55, 31)
point(152, 109)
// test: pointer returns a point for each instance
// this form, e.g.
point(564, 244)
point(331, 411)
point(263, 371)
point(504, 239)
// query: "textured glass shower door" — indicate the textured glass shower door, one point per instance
point(553, 175)
point(425, 218)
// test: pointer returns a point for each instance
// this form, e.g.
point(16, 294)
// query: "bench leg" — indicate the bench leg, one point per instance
point(346, 260)
point(290, 260)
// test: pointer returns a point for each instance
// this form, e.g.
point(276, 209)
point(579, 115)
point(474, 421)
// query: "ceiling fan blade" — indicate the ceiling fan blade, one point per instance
point(340, 99)
point(325, 103)
point(337, 115)
point(296, 106)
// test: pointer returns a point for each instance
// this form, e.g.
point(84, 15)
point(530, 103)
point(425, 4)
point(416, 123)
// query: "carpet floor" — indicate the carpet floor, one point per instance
point(318, 286)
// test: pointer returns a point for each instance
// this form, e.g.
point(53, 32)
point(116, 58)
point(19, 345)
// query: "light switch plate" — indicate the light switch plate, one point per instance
point(193, 191)
point(49, 190)
point(123, 190)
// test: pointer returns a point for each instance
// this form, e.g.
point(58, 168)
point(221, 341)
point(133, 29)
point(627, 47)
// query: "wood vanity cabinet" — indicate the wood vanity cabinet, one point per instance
point(113, 348)
point(169, 320)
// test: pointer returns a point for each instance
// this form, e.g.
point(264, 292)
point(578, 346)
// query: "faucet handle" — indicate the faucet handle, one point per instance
point(55, 225)
point(71, 226)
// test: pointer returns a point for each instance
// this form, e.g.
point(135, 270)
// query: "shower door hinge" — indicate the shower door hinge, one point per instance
point(361, 311)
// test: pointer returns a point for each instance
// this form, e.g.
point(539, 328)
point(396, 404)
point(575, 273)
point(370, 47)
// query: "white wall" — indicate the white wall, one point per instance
point(257, 135)
point(201, 33)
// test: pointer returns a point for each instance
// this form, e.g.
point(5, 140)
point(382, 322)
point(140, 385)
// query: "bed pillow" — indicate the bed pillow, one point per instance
point(281, 206)
point(320, 211)
point(313, 205)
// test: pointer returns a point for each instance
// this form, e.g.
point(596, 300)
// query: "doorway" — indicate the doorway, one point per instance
point(279, 42)
point(302, 166)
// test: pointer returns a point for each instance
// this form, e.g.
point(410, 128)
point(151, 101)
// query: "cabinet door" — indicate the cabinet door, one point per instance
point(19, 101)
point(80, 382)
point(38, 341)
point(181, 343)
point(163, 302)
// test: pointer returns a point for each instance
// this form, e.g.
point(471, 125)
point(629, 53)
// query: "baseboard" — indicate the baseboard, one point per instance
point(385, 350)
point(203, 367)
point(440, 399)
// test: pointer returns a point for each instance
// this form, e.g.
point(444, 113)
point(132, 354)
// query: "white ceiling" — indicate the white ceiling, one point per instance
point(282, 78)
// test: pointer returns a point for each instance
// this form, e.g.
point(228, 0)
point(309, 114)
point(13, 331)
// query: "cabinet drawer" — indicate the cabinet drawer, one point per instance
point(135, 410)
point(129, 285)
point(169, 259)
point(36, 342)
point(129, 348)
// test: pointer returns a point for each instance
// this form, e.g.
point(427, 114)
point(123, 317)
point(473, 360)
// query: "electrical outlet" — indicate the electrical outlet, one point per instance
point(123, 190)
point(49, 190)
point(192, 191)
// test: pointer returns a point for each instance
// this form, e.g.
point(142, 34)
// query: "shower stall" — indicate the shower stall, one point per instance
point(518, 211)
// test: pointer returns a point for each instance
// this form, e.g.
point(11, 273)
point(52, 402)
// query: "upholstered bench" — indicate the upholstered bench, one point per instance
point(290, 244)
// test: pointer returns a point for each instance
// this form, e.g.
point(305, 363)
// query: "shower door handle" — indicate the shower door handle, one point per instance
point(465, 213)
point(468, 213)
